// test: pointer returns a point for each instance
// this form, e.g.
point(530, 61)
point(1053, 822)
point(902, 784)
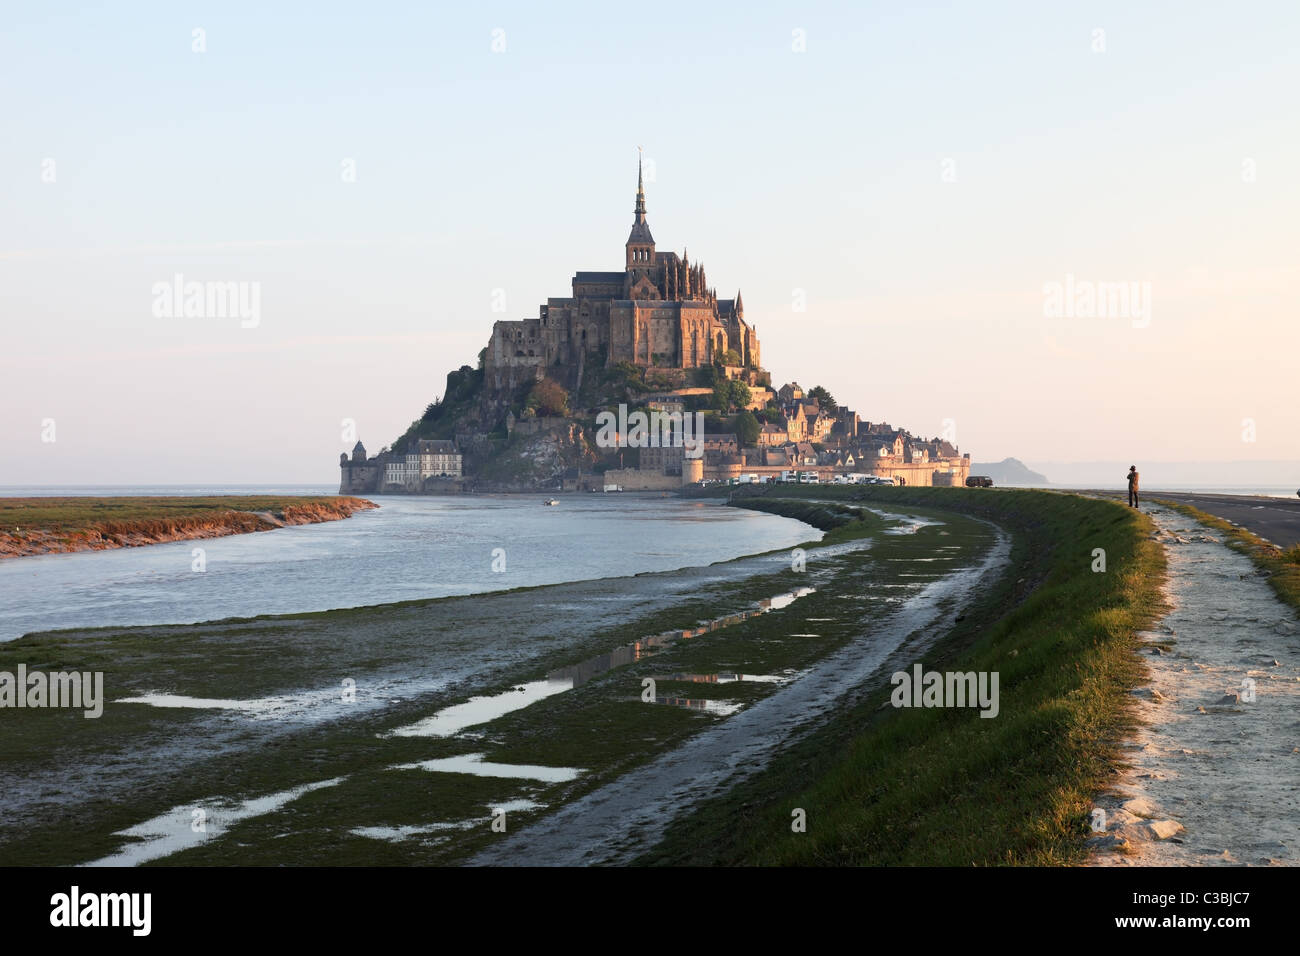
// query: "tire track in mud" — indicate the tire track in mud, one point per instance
point(627, 816)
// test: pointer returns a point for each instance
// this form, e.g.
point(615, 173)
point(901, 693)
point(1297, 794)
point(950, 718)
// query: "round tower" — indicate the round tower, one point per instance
point(692, 470)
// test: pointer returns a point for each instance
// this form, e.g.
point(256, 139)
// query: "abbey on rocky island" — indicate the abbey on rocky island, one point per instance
point(658, 312)
point(519, 419)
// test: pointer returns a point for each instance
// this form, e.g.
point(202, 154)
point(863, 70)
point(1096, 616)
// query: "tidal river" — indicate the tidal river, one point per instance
point(408, 548)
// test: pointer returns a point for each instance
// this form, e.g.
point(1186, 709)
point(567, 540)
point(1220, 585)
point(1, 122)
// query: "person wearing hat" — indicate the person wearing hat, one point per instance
point(1133, 486)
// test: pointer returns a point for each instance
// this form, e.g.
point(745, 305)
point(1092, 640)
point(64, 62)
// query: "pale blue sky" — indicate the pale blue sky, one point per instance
point(479, 170)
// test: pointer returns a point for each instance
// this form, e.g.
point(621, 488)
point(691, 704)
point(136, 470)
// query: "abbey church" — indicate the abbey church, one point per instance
point(658, 312)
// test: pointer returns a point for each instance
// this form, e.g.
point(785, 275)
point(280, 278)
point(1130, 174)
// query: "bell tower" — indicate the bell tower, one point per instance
point(640, 244)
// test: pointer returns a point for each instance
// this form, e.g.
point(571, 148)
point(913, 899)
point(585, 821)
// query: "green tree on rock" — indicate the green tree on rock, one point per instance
point(824, 398)
point(747, 428)
point(548, 397)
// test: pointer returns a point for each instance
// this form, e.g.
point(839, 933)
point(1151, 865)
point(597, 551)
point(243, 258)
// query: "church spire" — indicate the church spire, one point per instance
point(640, 189)
point(640, 244)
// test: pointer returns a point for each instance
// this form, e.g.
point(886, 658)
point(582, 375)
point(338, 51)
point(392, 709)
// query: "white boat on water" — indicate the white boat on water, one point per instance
point(552, 501)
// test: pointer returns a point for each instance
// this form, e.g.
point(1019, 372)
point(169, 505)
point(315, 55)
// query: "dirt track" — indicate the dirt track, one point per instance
point(1215, 775)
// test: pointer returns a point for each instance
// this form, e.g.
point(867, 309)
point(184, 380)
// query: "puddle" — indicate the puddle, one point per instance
point(728, 678)
point(326, 703)
point(259, 706)
point(785, 600)
point(630, 653)
point(913, 525)
point(475, 765)
point(481, 710)
point(722, 708)
point(174, 831)
point(399, 834)
point(517, 806)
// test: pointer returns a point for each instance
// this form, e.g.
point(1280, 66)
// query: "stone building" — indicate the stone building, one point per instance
point(358, 473)
point(438, 459)
point(659, 311)
point(389, 471)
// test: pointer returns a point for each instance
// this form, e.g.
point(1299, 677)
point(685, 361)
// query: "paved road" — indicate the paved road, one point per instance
point(1275, 519)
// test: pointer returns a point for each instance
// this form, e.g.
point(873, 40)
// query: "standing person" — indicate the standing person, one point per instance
point(1133, 486)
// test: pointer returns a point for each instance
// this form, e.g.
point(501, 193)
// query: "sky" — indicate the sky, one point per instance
point(917, 201)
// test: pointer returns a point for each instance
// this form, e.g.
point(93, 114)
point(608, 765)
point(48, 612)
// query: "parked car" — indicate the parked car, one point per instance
point(979, 481)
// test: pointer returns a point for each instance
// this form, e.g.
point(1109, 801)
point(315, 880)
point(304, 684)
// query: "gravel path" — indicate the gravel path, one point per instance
point(1215, 775)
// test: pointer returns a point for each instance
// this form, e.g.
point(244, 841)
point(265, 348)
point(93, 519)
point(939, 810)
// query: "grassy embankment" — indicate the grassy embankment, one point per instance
point(944, 786)
point(1281, 566)
point(50, 525)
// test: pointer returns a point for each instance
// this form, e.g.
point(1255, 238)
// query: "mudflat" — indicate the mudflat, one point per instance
point(402, 733)
point(30, 526)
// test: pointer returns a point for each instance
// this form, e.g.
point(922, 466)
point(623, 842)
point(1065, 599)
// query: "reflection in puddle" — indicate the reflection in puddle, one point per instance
point(475, 765)
point(630, 653)
point(175, 830)
point(482, 710)
point(728, 678)
point(723, 708)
